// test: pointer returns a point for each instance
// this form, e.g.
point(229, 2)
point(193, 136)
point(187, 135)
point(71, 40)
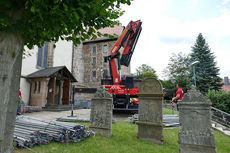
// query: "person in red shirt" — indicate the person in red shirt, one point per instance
point(19, 102)
point(179, 95)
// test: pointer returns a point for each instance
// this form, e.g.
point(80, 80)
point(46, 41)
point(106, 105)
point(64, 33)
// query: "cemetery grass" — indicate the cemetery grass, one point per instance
point(167, 111)
point(124, 141)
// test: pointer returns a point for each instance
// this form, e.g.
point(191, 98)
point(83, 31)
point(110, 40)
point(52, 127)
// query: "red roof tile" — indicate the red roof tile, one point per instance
point(116, 30)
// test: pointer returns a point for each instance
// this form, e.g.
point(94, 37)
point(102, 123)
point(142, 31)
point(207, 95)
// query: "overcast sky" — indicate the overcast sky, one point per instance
point(171, 26)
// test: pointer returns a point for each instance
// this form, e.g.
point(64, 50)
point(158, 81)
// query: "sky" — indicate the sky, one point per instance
point(171, 26)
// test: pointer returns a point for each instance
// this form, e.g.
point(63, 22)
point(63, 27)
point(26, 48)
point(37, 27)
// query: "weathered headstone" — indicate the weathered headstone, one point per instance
point(101, 113)
point(150, 125)
point(195, 135)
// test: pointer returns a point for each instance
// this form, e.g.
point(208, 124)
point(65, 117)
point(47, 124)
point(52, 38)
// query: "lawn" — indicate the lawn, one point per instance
point(169, 111)
point(124, 141)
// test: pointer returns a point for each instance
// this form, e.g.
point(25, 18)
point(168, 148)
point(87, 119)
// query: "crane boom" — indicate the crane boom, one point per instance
point(127, 40)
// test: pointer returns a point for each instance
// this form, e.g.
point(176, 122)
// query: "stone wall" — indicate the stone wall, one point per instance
point(38, 92)
point(86, 61)
point(78, 65)
point(50, 58)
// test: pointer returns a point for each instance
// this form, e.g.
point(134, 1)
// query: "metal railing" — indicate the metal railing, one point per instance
point(220, 117)
point(217, 115)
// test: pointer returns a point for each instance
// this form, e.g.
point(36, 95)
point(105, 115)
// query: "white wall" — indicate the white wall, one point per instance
point(29, 62)
point(63, 54)
point(25, 89)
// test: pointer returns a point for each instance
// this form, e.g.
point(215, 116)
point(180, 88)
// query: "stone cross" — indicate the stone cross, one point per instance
point(195, 135)
point(150, 125)
point(101, 113)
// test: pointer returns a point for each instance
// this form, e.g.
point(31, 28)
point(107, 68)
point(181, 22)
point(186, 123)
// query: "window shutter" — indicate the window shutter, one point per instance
point(39, 59)
point(45, 55)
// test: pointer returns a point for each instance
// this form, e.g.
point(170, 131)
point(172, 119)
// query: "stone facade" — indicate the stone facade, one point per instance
point(101, 113)
point(150, 126)
point(78, 64)
point(89, 65)
point(50, 58)
point(195, 135)
point(38, 94)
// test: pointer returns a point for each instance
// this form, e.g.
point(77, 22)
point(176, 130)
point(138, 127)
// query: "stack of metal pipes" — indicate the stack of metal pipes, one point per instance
point(31, 131)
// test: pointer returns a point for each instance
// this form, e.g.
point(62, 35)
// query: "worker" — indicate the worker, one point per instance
point(19, 102)
point(179, 96)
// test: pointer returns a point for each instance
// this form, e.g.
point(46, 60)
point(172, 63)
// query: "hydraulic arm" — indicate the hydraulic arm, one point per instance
point(127, 41)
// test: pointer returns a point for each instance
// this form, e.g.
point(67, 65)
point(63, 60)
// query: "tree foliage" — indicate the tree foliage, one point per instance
point(39, 21)
point(177, 70)
point(220, 99)
point(206, 71)
point(145, 68)
point(168, 84)
point(148, 74)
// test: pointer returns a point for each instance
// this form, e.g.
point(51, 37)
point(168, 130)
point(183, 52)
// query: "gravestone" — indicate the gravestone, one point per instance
point(195, 135)
point(150, 126)
point(101, 113)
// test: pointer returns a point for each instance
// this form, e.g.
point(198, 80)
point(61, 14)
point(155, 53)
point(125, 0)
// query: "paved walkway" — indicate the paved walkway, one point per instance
point(81, 113)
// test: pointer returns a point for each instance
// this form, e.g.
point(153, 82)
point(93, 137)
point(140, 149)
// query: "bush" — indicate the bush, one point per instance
point(220, 99)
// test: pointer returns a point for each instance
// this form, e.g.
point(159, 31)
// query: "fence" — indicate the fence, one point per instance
point(220, 117)
point(217, 115)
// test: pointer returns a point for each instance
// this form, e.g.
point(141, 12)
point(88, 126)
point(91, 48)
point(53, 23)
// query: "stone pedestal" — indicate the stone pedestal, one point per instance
point(101, 113)
point(150, 126)
point(195, 135)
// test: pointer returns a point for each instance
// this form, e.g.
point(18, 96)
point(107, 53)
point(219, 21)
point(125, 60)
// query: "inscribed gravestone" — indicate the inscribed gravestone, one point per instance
point(195, 135)
point(101, 113)
point(150, 125)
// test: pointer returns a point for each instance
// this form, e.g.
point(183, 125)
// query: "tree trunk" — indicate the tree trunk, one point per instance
point(11, 48)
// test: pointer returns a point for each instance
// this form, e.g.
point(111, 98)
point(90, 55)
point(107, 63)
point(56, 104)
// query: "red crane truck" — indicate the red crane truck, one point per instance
point(124, 92)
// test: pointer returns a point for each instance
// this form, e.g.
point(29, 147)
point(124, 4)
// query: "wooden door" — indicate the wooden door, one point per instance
point(66, 91)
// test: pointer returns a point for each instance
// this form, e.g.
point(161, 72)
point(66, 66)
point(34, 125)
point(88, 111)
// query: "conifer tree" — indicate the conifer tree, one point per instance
point(206, 70)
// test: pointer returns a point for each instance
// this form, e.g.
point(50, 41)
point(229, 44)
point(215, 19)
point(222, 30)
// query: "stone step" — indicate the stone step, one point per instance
point(57, 108)
point(221, 128)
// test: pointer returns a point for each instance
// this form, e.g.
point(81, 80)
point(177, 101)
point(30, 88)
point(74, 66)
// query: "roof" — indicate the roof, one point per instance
point(52, 71)
point(116, 31)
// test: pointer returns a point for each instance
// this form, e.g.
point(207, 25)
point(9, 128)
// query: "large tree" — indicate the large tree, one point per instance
point(33, 22)
point(177, 70)
point(145, 70)
point(206, 70)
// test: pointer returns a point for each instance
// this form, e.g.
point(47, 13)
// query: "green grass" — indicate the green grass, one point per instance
point(169, 111)
point(124, 141)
